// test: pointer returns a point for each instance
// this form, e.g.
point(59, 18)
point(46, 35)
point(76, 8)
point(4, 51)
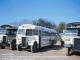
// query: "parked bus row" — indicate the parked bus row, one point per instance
point(26, 36)
point(32, 37)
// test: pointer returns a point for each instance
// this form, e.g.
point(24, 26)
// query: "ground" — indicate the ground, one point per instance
point(48, 53)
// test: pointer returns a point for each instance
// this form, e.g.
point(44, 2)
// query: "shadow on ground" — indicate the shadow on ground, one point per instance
point(76, 53)
point(54, 47)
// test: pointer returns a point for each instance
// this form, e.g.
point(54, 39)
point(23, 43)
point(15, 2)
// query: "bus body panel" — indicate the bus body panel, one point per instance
point(45, 41)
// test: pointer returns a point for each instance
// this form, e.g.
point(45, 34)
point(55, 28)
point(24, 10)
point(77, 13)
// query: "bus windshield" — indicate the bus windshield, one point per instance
point(21, 31)
point(30, 32)
point(11, 32)
point(3, 31)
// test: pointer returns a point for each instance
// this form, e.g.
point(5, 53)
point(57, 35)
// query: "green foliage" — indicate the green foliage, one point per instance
point(44, 23)
point(60, 27)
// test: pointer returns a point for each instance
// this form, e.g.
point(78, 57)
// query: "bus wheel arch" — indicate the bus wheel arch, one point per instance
point(34, 47)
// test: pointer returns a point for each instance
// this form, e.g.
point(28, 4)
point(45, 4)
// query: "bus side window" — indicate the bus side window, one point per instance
point(53, 34)
point(48, 33)
point(35, 32)
point(39, 32)
point(42, 34)
point(45, 33)
point(28, 32)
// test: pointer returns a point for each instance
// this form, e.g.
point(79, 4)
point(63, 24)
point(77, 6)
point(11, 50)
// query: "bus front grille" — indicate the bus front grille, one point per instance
point(4, 39)
point(77, 43)
point(23, 41)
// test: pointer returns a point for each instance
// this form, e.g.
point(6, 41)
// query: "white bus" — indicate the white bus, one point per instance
point(34, 37)
point(7, 35)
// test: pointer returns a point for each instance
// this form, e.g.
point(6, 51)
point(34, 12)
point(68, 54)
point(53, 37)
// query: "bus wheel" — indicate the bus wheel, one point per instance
point(34, 48)
point(68, 51)
point(13, 48)
point(62, 43)
point(19, 48)
point(2, 47)
point(13, 45)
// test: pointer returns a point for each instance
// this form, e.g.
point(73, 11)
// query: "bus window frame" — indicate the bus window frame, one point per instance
point(21, 33)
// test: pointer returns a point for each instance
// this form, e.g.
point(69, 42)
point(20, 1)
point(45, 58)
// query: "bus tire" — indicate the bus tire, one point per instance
point(67, 51)
point(62, 43)
point(13, 48)
point(19, 48)
point(2, 47)
point(34, 47)
point(13, 44)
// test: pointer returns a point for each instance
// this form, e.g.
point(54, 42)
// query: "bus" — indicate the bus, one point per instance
point(71, 38)
point(34, 37)
point(7, 35)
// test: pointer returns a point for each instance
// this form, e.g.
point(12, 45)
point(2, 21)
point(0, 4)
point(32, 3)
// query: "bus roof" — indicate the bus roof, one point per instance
point(31, 26)
point(8, 26)
point(73, 25)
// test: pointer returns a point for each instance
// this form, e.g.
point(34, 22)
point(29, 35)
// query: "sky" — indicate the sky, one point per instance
point(53, 10)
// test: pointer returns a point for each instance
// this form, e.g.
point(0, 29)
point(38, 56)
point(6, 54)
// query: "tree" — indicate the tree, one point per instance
point(60, 27)
point(44, 23)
